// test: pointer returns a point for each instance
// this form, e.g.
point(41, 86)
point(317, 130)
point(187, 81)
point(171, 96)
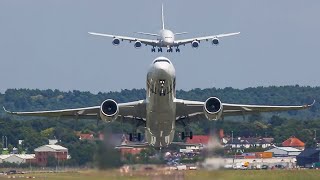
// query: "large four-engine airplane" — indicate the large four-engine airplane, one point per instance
point(161, 110)
point(165, 38)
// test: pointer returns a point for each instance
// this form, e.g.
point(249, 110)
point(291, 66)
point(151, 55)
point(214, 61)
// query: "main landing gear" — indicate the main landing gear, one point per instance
point(186, 134)
point(135, 137)
point(168, 50)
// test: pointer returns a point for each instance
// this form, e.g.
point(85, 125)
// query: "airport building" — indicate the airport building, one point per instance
point(244, 143)
point(42, 153)
point(18, 158)
point(308, 157)
point(284, 151)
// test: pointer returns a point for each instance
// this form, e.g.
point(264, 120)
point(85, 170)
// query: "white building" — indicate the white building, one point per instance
point(17, 158)
point(244, 143)
point(3, 157)
point(284, 151)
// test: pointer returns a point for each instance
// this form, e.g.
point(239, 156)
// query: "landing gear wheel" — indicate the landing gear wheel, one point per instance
point(139, 137)
point(186, 134)
point(153, 49)
point(182, 136)
point(130, 136)
point(159, 49)
point(177, 50)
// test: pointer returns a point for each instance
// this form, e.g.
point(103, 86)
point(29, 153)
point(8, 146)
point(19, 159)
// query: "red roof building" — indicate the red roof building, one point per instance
point(198, 139)
point(293, 142)
point(86, 136)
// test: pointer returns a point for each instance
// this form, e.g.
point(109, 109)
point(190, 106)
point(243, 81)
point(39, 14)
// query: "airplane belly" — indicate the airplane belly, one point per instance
point(160, 129)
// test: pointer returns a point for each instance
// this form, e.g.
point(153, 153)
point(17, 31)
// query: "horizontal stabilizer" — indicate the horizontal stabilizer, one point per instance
point(180, 33)
point(148, 34)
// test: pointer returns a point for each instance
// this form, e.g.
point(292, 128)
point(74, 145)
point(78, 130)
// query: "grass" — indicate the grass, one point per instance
point(188, 175)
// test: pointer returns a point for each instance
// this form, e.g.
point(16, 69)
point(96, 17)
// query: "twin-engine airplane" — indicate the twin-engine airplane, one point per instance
point(165, 38)
point(161, 110)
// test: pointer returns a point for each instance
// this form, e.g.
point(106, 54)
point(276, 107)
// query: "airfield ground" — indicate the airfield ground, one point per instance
point(178, 175)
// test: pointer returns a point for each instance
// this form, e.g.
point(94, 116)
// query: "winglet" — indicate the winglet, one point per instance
point(9, 112)
point(309, 105)
point(314, 101)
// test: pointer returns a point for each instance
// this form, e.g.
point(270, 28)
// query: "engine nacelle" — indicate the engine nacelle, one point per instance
point(109, 110)
point(116, 41)
point(215, 41)
point(195, 44)
point(213, 108)
point(137, 44)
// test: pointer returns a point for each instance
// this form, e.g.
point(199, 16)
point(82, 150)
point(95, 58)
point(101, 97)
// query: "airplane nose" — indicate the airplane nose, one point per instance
point(162, 68)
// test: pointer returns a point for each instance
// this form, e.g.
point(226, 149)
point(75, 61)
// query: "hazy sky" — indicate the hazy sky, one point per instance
point(44, 44)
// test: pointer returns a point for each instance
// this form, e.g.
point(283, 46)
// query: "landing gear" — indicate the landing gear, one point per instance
point(169, 49)
point(159, 49)
point(135, 137)
point(186, 134)
point(177, 50)
point(153, 49)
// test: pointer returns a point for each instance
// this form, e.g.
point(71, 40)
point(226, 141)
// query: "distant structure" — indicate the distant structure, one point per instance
point(309, 156)
point(88, 136)
point(284, 151)
point(18, 158)
point(53, 141)
point(244, 143)
point(293, 142)
point(43, 152)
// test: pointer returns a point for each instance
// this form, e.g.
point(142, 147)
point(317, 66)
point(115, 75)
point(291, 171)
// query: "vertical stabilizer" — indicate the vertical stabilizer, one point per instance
point(162, 17)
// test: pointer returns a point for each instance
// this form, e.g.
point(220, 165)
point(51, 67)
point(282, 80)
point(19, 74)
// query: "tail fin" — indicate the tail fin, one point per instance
point(162, 17)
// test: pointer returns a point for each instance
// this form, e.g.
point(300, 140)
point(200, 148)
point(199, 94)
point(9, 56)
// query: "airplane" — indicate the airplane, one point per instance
point(165, 38)
point(160, 111)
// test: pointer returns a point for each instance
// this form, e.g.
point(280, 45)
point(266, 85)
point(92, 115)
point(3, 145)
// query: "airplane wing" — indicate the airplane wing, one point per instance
point(194, 109)
point(134, 110)
point(130, 39)
point(186, 41)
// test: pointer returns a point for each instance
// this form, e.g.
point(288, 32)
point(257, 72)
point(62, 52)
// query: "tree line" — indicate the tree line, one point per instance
point(36, 131)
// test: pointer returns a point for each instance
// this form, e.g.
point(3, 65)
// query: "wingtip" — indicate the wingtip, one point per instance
point(310, 105)
point(314, 101)
point(6, 110)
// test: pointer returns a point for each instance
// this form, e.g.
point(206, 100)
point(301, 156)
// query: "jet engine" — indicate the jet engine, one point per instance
point(215, 41)
point(116, 41)
point(195, 44)
point(109, 110)
point(213, 108)
point(137, 44)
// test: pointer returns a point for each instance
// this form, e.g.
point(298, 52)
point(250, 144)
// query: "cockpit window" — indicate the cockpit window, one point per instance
point(161, 60)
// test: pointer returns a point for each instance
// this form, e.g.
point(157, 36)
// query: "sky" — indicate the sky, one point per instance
point(45, 45)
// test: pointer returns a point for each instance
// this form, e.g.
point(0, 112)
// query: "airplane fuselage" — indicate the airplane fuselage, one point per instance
point(161, 108)
point(166, 38)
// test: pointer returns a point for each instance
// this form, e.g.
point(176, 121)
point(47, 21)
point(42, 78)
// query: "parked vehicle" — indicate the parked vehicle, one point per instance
point(181, 167)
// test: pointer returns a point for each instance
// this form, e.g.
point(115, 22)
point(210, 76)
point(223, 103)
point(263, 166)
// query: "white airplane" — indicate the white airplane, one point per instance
point(161, 110)
point(165, 38)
